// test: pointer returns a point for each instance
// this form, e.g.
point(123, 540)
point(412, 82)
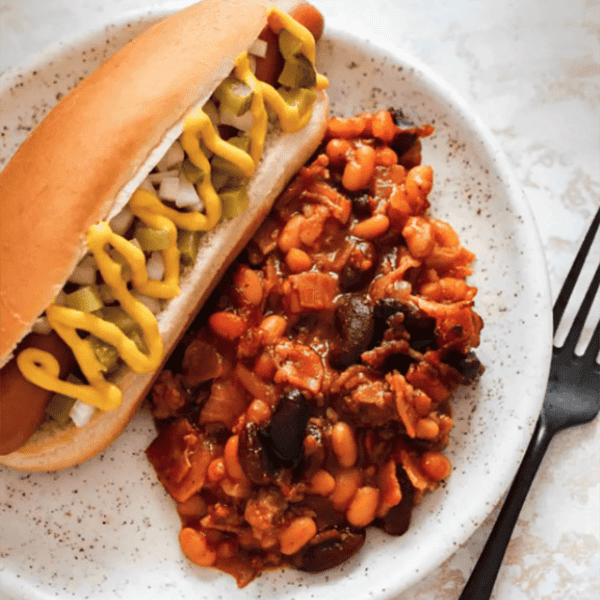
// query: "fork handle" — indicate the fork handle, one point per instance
point(483, 577)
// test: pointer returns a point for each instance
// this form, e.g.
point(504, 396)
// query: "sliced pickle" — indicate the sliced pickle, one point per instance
point(137, 336)
point(219, 179)
point(106, 354)
point(188, 242)
point(302, 98)
point(234, 95)
point(192, 173)
point(289, 44)
point(235, 201)
point(298, 72)
point(152, 240)
point(59, 408)
point(117, 316)
point(86, 299)
point(218, 162)
point(130, 327)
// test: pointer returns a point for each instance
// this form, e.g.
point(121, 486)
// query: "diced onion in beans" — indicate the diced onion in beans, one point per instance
point(81, 413)
point(41, 325)
point(121, 222)
point(156, 266)
point(173, 156)
point(258, 48)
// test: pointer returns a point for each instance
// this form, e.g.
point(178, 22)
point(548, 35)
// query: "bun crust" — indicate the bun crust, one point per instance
point(145, 117)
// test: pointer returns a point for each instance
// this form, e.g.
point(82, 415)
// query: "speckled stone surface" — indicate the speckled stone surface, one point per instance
point(531, 71)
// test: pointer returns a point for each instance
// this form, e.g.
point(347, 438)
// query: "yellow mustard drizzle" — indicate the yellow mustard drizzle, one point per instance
point(40, 367)
point(260, 118)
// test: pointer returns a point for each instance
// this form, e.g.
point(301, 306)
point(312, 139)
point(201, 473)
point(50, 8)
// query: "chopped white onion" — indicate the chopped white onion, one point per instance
point(41, 325)
point(83, 276)
point(121, 222)
point(85, 272)
point(147, 185)
point(153, 304)
point(156, 266)
point(168, 189)
point(258, 48)
point(187, 196)
point(252, 64)
point(160, 175)
point(173, 156)
point(243, 122)
point(81, 413)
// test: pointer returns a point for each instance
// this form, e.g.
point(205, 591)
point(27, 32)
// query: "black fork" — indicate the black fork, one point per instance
point(572, 398)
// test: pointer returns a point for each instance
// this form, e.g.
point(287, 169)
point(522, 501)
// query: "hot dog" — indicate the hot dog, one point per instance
point(101, 206)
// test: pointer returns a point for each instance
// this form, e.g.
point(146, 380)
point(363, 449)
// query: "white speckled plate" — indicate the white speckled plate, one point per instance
point(107, 530)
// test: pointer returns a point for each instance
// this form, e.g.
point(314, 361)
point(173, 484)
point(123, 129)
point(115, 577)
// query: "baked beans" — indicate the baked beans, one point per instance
point(328, 359)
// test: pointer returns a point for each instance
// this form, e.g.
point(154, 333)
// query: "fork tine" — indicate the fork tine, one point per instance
point(582, 313)
point(569, 284)
point(593, 348)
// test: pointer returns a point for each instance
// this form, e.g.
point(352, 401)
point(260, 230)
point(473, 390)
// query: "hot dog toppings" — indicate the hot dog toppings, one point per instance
point(132, 270)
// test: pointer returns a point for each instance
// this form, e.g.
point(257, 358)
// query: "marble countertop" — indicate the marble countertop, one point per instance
point(531, 70)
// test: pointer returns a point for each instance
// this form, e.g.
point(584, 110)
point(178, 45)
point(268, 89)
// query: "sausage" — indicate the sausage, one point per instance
point(269, 68)
point(309, 16)
point(23, 404)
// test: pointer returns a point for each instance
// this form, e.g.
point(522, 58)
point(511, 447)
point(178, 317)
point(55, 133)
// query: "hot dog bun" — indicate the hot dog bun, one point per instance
point(83, 162)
